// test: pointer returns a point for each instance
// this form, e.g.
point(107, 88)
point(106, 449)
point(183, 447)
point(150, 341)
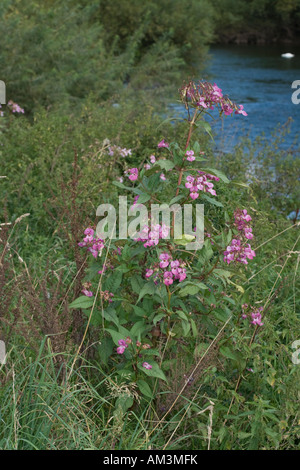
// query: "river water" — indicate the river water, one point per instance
point(260, 79)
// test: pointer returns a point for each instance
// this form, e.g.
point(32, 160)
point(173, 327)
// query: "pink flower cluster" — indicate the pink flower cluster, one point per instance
point(123, 344)
point(201, 183)
point(132, 173)
point(152, 237)
point(94, 245)
point(204, 95)
point(176, 270)
point(163, 144)
point(86, 286)
point(15, 108)
point(190, 155)
point(115, 150)
point(1, 112)
point(241, 219)
point(146, 365)
point(256, 314)
point(239, 250)
point(106, 295)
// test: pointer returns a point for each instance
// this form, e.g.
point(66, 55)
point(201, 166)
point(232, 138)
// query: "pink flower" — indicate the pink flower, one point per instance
point(174, 264)
point(212, 192)
point(227, 109)
point(202, 102)
point(190, 155)
point(135, 200)
point(190, 179)
point(149, 272)
point(249, 252)
point(146, 365)
point(194, 195)
point(15, 107)
point(121, 349)
point(256, 317)
point(89, 231)
point(189, 184)
point(123, 152)
point(123, 344)
point(133, 174)
point(168, 278)
point(162, 177)
point(162, 143)
point(241, 110)
point(88, 293)
point(164, 257)
point(147, 166)
point(152, 159)
point(248, 233)
point(217, 91)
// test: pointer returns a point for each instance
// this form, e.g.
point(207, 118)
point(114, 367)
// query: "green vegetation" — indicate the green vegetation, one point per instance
point(90, 76)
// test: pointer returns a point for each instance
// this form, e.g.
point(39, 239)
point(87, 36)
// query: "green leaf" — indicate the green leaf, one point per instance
point(218, 173)
point(194, 328)
point(185, 327)
point(176, 199)
point(137, 329)
point(182, 315)
point(170, 119)
point(196, 147)
point(82, 302)
point(113, 282)
point(111, 316)
point(139, 311)
point(144, 388)
point(221, 315)
point(105, 349)
point(243, 185)
point(184, 240)
point(206, 127)
point(117, 335)
point(165, 164)
point(143, 198)
point(136, 283)
point(192, 288)
point(119, 185)
point(227, 352)
point(189, 290)
point(158, 317)
point(211, 200)
point(148, 288)
point(154, 372)
point(124, 402)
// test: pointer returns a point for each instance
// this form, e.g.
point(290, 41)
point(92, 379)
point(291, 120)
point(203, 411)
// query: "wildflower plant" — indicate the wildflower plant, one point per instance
point(157, 292)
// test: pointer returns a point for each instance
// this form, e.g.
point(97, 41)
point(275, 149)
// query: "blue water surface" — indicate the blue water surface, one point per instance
point(260, 79)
